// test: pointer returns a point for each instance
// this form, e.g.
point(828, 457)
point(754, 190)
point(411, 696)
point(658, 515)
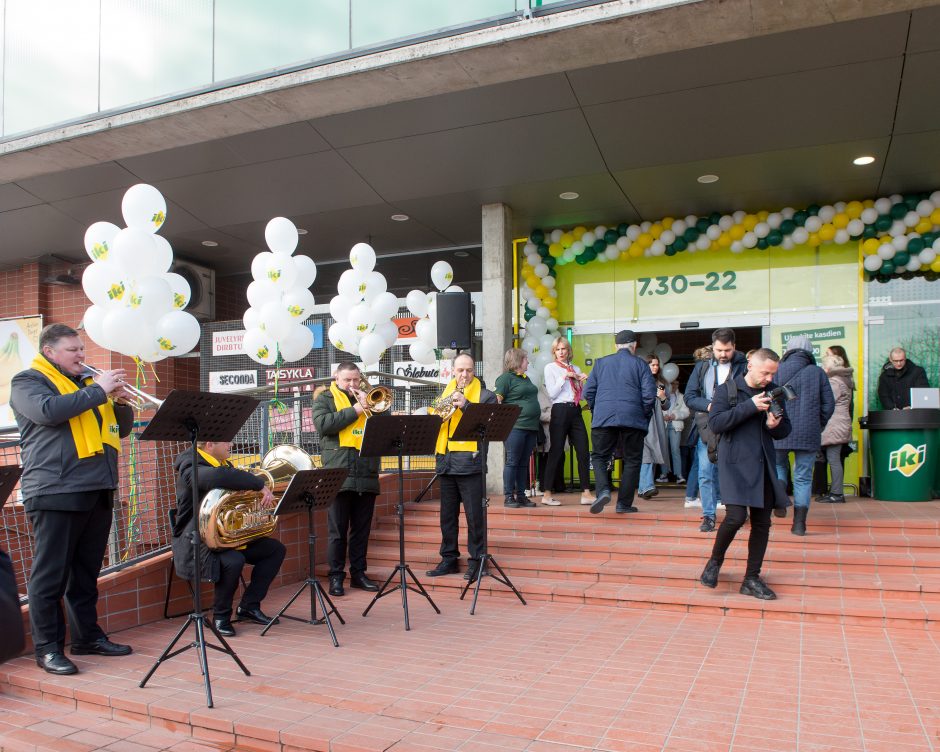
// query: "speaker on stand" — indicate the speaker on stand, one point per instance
point(454, 320)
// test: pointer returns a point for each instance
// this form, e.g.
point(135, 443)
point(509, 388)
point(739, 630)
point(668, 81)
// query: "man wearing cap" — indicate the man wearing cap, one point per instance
point(620, 392)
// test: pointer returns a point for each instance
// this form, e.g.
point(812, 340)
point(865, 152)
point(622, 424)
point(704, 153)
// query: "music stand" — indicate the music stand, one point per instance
point(484, 423)
point(397, 434)
point(193, 417)
point(311, 489)
point(9, 476)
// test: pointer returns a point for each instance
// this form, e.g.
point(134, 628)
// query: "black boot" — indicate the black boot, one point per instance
point(799, 521)
point(709, 576)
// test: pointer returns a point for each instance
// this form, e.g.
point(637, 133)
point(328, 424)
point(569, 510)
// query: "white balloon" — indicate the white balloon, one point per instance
point(530, 343)
point(663, 351)
point(259, 266)
point(179, 288)
point(417, 303)
point(362, 257)
point(543, 359)
point(99, 237)
point(541, 270)
point(913, 264)
point(855, 227)
point(928, 256)
point(432, 305)
point(800, 235)
point(611, 254)
point(883, 205)
point(177, 332)
point(260, 346)
point(374, 284)
point(152, 296)
point(886, 251)
point(670, 372)
point(297, 344)
point(648, 341)
point(349, 284)
point(549, 281)
point(911, 218)
point(160, 261)
point(361, 319)
point(342, 337)
point(93, 324)
point(826, 213)
point(762, 229)
point(842, 236)
point(280, 271)
point(388, 331)
point(281, 235)
point(545, 342)
point(144, 208)
point(535, 327)
point(869, 215)
point(872, 263)
point(458, 288)
point(251, 318)
point(259, 293)
point(276, 320)
point(442, 274)
point(543, 313)
point(924, 208)
point(714, 231)
point(812, 224)
point(750, 239)
point(371, 347)
point(299, 304)
point(426, 331)
point(587, 240)
point(422, 353)
point(103, 284)
point(339, 307)
point(306, 269)
point(131, 247)
point(123, 329)
point(385, 305)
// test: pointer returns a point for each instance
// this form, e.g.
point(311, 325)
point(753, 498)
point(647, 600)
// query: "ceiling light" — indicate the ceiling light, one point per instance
point(569, 195)
point(863, 160)
point(461, 254)
point(209, 243)
point(709, 178)
point(301, 231)
point(400, 217)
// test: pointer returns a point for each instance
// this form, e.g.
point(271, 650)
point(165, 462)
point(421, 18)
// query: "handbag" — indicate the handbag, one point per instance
point(11, 616)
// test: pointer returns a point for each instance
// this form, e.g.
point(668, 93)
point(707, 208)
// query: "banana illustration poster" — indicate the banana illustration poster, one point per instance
point(19, 343)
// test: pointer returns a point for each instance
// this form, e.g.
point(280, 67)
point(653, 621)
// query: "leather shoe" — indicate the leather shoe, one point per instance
point(254, 614)
point(525, 502)
point(224, 627)
point(472, 571)
point(443, 568)
point(336, 586)
point(755, 586)
point(511, 503)
point(626, 510)
point(709, 576)
point(832, 499)
point(363, 583)
point(101, 646)
point(56, 663)
point(602, 500)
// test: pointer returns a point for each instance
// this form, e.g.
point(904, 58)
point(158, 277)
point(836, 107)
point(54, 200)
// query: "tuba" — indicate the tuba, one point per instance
point(228, 519)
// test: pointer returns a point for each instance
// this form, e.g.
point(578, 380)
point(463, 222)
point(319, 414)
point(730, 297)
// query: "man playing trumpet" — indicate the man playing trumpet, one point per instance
point(339, 414)
point(71, 433)
point(223, 567)
point(460, 469)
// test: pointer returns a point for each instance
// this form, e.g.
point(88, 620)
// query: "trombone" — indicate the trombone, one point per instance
point(140, 399)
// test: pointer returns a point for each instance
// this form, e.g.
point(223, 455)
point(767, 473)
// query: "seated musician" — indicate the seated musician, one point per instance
point(223, 567)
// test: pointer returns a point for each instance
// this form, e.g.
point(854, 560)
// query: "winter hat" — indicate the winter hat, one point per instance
point(800, 342)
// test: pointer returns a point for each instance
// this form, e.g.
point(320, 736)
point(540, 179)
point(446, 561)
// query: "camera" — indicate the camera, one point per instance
point(778, 397)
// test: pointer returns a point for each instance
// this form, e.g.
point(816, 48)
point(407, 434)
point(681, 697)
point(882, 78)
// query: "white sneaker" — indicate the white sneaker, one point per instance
point(719, 505)
point(550, 501)
point(690, 503)
point(587, 499)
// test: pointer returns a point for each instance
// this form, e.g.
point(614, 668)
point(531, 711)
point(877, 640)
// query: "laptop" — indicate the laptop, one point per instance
point(923, 397)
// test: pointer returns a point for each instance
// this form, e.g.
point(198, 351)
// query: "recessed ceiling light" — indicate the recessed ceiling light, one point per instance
point(209, 243)
point(400, 217)
point(863, 160)
point(461, 254)
point(569, 195)
point(301, 231)
point(707, 178)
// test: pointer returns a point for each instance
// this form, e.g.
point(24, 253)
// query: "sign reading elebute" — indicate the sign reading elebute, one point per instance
point(228, 343)
point(908, 459)
point(232, 381)
point(440, 373)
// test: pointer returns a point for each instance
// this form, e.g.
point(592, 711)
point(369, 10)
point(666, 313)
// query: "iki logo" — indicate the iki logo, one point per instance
point(908, 459)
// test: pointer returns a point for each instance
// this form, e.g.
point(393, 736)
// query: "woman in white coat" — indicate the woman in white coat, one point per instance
point(675, 416)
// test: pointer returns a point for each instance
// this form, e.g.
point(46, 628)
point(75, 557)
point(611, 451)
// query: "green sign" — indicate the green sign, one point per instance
point(815, 335)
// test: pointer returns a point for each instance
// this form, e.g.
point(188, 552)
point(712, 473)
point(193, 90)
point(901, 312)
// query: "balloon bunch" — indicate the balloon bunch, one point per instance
point(424, 306)
point(137, 302)
point(662, 351)
point(363, 309)
point(541, 300)
point(279, 298)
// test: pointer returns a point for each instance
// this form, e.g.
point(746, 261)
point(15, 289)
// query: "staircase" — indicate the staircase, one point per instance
point(863, 562)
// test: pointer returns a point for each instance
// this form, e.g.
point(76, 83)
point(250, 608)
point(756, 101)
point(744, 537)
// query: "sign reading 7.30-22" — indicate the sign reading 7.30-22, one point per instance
point(678, 284)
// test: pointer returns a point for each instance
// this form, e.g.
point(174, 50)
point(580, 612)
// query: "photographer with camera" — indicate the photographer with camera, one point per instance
point(809, 413)
point(747, 420)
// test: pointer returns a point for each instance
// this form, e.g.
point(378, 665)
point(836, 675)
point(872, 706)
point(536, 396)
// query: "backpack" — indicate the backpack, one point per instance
point(711, 438)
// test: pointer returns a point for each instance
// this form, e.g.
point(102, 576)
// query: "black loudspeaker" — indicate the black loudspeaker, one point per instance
point(454, 327)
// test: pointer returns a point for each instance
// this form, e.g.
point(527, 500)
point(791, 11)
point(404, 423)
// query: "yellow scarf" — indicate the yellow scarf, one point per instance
point(89, 437)
point(444, 445)
point(212, 460)
point(351, 436)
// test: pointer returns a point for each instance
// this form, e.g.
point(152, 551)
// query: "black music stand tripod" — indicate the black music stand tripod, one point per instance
point(193, 417)
point(310, 490)
point(484, 423)
point(398, 434)
point(9, 477)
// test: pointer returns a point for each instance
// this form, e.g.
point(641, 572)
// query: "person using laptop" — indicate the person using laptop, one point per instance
point(898, 376)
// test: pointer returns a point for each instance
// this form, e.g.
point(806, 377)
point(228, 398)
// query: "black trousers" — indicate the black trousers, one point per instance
point(349, 518)
point(567, 423)
point(68, 551)
point(735, 516)
point(630, 442)
point(457, 489)
point(266, 555)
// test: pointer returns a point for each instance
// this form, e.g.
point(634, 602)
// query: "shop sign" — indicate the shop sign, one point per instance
point(439, 372)
point(228, 343)
point(289, 375)
point(232, 381)
point(908, 459)
point(815, 335)
point(406, 329)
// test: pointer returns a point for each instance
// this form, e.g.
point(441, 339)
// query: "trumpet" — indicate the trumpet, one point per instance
point(377, 399)
point(444, 406)
point(140, 399)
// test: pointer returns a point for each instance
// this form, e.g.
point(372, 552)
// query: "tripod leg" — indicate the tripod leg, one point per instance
point(404, 593)
point(506, 580)
point(382, 591)
point(166, 652)
point(329, 602)
point(203, 661)
point(226, 648)
point(285, 607)
point(421, 589)
point(326, 613)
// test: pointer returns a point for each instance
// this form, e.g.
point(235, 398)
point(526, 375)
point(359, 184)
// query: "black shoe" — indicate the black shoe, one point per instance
point(524, 501)
point(101, 646)
point(602, 500)
point(755, 586)
point(709, 576)
point(799, 521)
point(336, 585)
point(224, 627)
point(471, 573)
point(780, 511)
point(621, 509)
point(707, 526)
point(254, 614)
point(363, 583)
point(649, 493)
point(445, 567)
point(56, 663)
point(512, 503)
point(832, 499)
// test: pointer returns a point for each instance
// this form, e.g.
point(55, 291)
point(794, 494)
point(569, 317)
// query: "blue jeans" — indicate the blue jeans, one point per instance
point(707, 480)
point(691, 483)
point(646, 477)
point(803, 461)
point(518, 445)
point(675, 455)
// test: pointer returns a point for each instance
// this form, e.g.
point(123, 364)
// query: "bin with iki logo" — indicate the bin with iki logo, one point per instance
point(903, 445)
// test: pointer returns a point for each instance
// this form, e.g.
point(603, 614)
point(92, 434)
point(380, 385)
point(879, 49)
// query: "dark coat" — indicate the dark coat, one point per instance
point(620, 392)
point(696, 390)
point(182, 519)
point(50, 463)
point(894, 386)
point(746, 457)
point(464, 463)
point(363, 471)
point(814, 403)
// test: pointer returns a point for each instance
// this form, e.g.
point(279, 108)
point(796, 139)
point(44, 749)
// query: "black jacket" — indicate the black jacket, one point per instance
point(363, 471)
point(894, 386)
point(182, 519)
point(464, 463)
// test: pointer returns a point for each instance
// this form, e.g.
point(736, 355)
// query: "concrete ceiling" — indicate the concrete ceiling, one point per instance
point(779, 118)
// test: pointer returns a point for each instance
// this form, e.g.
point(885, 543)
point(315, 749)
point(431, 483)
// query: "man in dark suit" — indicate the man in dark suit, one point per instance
point(620, 392)
point(747, 427)
point(71, 433)
point(898, 376)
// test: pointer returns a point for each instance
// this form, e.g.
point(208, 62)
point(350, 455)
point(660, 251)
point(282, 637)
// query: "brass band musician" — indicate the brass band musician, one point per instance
point(223, 567)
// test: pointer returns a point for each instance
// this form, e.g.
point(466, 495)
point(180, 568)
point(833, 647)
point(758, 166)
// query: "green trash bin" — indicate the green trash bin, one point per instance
point(903, 448)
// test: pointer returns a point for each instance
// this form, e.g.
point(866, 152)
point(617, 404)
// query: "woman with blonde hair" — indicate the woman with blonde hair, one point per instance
point(513, 387)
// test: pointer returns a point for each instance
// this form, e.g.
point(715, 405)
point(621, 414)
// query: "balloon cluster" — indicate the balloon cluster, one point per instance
point(363, 309)
point(541, 301)
point(424, 306)
point(137, 302)
point(662, 351)
point(279, 298)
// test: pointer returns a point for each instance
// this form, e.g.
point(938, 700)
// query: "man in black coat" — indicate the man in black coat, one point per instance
point(71, 431)
point(746, 467)
point(898, 376)
point(223, 567)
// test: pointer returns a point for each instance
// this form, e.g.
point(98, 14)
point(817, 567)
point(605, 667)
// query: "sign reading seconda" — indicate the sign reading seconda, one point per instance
point(908, 459)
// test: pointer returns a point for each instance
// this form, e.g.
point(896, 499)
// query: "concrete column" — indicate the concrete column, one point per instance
point(497, 313)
